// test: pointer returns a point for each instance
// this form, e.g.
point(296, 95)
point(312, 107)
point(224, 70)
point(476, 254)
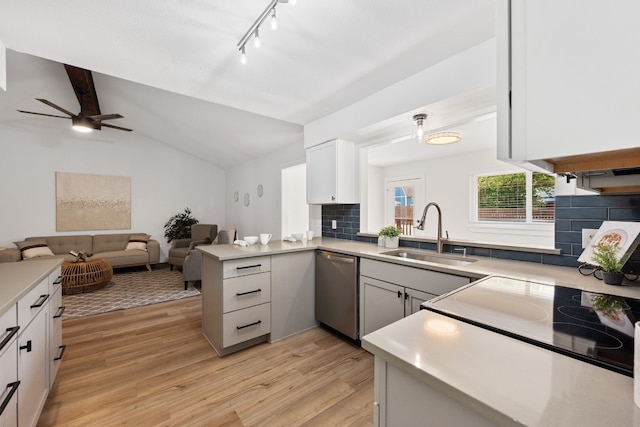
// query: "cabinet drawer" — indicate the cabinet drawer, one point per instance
point(242, 325)
point(245, 291)
point(8, 376)
point(8, 325)
point(31, 304)
point(55, 312)
point(245, 266)
point(55, 280)
point(56, 350)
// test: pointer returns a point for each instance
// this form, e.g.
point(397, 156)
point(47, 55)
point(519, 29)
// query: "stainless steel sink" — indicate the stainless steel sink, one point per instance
point(434, 258)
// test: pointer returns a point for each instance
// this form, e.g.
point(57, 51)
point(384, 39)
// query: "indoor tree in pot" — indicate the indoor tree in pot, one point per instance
point(606, 256)
point(391, 236)
point(179, 226)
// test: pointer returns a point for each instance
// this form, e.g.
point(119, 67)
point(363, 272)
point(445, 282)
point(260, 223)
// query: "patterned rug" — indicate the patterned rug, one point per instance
point(129, 288)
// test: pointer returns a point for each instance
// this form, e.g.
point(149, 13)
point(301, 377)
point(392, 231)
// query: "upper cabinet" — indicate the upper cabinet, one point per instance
point(332, 173)
point(568, 81)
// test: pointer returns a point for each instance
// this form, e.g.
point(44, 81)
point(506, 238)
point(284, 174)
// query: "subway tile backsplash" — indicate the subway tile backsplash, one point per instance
point(573, 213)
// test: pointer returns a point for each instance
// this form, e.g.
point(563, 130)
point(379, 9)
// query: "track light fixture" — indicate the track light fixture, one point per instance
point(254, 30)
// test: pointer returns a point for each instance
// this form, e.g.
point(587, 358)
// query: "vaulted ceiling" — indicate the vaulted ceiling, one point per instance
point(172, 68)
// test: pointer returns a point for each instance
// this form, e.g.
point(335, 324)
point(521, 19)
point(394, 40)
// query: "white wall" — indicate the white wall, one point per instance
point(163, 180)
point(263, 213)
point(295, 210)
point(447, 182)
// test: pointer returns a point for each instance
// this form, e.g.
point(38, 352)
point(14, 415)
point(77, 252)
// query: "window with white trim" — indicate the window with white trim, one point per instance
point(521, 197)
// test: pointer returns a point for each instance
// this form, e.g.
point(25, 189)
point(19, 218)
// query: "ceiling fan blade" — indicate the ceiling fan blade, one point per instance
point(52, 105)
point(114, 127)
point(42, 114)
point(105, 116)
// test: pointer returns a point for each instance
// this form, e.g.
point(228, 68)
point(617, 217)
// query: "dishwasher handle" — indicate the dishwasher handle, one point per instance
point(337, 258)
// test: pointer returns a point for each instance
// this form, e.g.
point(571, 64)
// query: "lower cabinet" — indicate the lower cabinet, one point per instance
point(389, 292)
point(8, 369)
point(32, 370)
point(56, 349)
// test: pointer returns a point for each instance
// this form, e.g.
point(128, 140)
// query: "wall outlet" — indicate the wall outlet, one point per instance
point(587, 235)
point(334, 224)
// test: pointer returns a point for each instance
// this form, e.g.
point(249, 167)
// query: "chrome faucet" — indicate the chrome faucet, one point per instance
point(420, 225)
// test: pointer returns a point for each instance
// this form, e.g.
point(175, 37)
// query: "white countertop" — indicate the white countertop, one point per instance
point(503, 377)
point(17, 279)
point(498, 374)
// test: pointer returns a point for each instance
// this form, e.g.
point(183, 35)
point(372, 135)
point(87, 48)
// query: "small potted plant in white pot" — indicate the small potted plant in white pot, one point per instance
point(391, 235)
point(606, 256)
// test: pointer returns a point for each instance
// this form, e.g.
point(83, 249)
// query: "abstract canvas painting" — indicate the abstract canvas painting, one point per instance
point(92, 202)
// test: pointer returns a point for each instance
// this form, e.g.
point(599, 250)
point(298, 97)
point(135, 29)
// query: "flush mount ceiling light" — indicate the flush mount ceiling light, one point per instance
point(419, 119)
point(442, 138)
point(254, 30)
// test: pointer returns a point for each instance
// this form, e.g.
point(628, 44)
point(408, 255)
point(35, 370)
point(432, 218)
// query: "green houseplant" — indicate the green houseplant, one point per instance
point(391, 236)
point(179, 226)
point(606, 256)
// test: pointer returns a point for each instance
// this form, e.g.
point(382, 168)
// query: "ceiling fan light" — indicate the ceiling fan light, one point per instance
point(443, 138)
point(81, 124)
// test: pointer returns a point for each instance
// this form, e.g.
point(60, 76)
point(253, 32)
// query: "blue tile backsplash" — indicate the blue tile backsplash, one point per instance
point(573, 213)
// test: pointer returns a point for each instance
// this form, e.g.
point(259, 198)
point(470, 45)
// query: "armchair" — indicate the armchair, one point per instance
point(192, 267)
point(180, 248)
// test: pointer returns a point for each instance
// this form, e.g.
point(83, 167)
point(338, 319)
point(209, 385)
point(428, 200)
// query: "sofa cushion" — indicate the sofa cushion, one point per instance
point(110, 242)
point(125, 258)
point(137, 241)
point(34, 248)
point(61, 245)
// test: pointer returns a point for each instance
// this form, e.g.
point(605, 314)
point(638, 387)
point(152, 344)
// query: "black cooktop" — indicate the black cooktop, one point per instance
point(597, 328)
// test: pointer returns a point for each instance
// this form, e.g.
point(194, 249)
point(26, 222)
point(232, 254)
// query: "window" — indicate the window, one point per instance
point(523, 197)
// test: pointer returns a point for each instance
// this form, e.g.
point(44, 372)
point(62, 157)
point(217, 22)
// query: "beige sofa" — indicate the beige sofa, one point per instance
point(120, 250)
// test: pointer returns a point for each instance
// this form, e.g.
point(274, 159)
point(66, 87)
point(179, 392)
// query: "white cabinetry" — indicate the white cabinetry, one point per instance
point(33, 353)
point(56, 349)
point(8, 373)
point(292, 294)
point(389, 292)
point(332, 173)
point(236, 302)
point(572, 75)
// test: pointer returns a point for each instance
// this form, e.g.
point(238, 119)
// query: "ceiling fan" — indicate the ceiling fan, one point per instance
point(89, 118)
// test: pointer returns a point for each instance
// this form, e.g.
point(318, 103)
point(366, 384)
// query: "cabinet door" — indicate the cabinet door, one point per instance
point(56, 348)
point(413, 299)
point(322, 173)
point(32, 370)
point(383, 304)
point(8, 385)
point(574, 76)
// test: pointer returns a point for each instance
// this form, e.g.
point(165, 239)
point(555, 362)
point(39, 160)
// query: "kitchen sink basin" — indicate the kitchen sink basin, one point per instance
point(434, 258)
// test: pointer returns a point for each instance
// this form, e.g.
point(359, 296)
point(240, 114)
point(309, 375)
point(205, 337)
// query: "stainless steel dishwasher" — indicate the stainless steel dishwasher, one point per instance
point(337, 292)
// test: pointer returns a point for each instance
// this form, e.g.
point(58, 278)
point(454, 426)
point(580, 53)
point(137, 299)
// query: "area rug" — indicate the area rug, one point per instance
point(129, 289)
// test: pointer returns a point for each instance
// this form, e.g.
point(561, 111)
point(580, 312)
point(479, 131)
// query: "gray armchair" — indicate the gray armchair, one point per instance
point(180, 248)
point(192, 267)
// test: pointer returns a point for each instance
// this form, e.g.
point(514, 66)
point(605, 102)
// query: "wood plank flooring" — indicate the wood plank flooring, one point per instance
point(150, 366)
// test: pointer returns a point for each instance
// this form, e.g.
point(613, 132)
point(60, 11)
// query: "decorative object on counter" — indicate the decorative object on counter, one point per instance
point(252, 240)
point(623, 234)
point(297, 236)
point(309, 234)
point(264, 238)
point(241, 243)
point(391, 235)
point(179, 226)
point(605, 254)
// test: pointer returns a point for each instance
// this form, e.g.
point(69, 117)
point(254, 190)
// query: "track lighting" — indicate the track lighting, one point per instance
point(254, 30)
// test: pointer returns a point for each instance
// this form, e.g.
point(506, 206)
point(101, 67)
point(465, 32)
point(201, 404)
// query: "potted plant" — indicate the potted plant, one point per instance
point(391, 236)
point(179, 226)
point(606, 256)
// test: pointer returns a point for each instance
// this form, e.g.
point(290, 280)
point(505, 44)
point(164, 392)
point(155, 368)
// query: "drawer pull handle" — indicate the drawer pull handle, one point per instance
point(59, 312)
point(61, 350)
point(58, 280)
point(248, 266)
point(5, 402)
point(250, 324)
point(26, 347)
point(40, 301)
point(247, 293)
point(12, 332)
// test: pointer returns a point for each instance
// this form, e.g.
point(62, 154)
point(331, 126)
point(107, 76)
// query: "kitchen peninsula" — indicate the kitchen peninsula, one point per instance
point(474, 372)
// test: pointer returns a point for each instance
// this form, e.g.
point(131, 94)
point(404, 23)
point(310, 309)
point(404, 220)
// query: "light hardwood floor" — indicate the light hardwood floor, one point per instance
point(150, 366)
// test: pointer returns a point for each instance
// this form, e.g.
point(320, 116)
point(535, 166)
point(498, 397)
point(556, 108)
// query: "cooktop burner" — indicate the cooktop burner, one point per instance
point(593, 327)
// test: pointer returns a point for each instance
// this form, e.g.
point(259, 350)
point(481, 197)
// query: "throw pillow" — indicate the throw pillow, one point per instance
point(34, 248)
point(137, 242)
